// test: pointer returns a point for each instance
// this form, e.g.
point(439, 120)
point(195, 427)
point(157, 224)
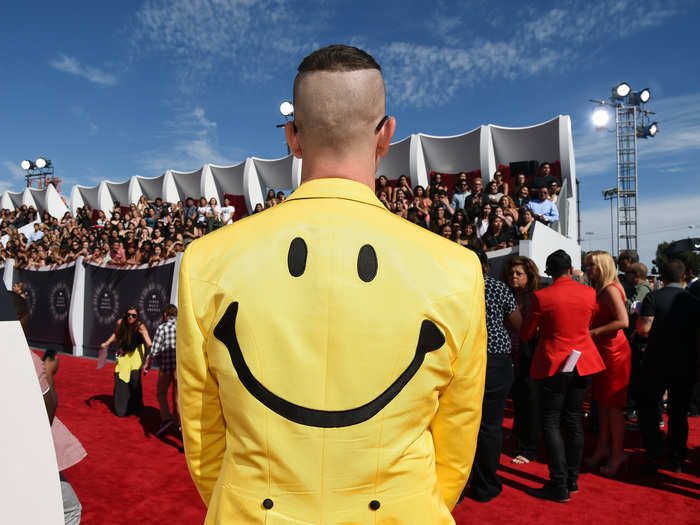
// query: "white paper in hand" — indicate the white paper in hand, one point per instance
point(571, 361)
point(101, 358)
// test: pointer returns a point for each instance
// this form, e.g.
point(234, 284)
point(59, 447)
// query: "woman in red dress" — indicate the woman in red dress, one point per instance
point(610, 385)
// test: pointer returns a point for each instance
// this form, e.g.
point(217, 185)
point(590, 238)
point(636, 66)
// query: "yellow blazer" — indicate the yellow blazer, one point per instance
point(331, 359)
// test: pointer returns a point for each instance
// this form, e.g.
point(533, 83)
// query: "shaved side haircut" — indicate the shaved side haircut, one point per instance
point(339, 97)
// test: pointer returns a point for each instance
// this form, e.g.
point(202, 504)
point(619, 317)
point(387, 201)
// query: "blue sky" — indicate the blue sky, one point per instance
point(112, 89)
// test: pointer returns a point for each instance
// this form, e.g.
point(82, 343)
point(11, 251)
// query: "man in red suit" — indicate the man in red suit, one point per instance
point(563, 314)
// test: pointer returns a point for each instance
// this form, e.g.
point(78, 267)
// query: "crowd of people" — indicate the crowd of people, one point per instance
point(147, 232)
point(492, 217)
point(632, 344)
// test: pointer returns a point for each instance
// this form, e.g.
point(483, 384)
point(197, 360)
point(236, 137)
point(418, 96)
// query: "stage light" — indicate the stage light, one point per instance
point(650, 130)
point(26, 164)
point(600, 118)
point(41, 162)
point(286, 108)
point(621, 90)
point(641, 97)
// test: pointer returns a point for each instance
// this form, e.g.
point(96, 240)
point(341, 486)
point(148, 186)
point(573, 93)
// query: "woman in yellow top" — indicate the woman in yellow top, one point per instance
point(132, 339)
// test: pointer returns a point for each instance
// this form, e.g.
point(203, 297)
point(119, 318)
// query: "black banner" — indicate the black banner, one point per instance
point(48, 294)
point(110, 291)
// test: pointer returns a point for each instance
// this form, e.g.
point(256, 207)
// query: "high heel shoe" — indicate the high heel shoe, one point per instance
point(611, 471)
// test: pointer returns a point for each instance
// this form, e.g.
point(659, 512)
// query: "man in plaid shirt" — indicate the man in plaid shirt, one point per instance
point(163, 351)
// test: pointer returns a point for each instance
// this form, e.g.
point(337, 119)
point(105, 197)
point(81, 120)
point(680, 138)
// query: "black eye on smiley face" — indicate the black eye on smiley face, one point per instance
point(430, 338)
point(366, 260)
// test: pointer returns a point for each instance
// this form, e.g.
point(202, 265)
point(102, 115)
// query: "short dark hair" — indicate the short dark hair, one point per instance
point(170, 310)
point(673, 271)
point(338, 57)
point(558, 263)
point(639, 269)
point(628, 255)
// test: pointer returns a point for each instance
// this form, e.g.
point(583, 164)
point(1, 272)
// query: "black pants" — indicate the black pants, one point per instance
point(562, 397)
point(527, 419)
point(485, 484)
point(680, 391)
point(128, 397)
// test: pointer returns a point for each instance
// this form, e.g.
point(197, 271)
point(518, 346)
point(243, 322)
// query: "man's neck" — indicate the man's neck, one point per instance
point(324, 168)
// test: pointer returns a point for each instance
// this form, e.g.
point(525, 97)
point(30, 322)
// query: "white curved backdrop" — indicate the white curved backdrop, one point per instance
point(479, 152)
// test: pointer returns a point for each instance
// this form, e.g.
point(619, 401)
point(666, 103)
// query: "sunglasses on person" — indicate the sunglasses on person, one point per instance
point(376, 130)
point(133, 316)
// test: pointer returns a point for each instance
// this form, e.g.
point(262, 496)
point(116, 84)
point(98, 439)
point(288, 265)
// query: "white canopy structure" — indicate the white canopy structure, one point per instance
point(479, 152)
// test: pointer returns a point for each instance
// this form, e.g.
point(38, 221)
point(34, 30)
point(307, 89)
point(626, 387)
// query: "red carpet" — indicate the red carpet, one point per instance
point(131, 476)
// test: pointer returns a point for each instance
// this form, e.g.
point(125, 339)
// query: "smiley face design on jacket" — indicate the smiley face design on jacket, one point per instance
point(430, 339)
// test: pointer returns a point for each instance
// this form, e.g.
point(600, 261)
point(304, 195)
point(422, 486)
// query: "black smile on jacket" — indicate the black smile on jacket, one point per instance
point(430, 339)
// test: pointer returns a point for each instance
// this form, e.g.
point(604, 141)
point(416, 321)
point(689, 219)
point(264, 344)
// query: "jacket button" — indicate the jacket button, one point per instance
point(374, 504)
point(267, 503)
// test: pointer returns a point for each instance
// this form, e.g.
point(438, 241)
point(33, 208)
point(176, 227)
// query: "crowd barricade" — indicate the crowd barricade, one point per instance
point(74, 307)
point(48, 292)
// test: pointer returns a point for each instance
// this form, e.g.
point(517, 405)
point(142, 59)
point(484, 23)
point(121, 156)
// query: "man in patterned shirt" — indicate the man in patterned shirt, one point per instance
point(502, 313)
point(163, 350)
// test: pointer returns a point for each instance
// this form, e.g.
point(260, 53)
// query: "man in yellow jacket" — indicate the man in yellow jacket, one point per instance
point(331, 354)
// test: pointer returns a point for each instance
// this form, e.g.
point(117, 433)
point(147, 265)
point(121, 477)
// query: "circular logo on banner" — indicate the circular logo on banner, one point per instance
point(151, 302)
point(105, 303)
point(59, 301)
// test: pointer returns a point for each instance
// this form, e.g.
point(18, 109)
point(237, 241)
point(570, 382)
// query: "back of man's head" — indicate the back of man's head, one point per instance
point(673, 271)
point(626, 258)
point(558, 264)
point(339, 98)
point(639, 269)
point(170, 311)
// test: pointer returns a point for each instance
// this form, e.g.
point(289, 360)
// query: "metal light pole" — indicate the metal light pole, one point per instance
point(631, 122)
point(609, 195)
point(578, 209)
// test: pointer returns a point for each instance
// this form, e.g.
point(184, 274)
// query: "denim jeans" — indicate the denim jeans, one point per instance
point(562, 399)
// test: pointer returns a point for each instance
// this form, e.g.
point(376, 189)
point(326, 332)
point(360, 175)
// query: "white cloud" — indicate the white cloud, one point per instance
point(679, 126)
point(12, 183)
point(245, 36)
point(424, 75)
point(659, 220)
point(68, 64)
point(191, 141)
point(14, 169)
point(202, 120)
point(595, 153)
point(446, 27)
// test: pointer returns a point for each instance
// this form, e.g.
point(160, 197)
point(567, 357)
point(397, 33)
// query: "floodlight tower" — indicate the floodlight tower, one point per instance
point(631, 122)
point(39, 170)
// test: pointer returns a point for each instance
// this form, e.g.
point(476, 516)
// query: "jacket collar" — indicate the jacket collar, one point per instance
point(564, 279)
point(336, 188)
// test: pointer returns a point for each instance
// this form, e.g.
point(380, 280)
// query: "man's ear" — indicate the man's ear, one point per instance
point(292, 139)
point(385, 136)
